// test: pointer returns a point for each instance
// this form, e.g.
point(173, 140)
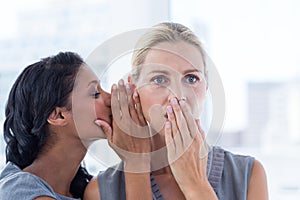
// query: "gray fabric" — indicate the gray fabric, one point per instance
point(228, 174)
point(235, 178)
point(16, 184)
point(215, 164)
point(112, 183)
point(155, 190)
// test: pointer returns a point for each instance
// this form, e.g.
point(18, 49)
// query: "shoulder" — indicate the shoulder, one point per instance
point(14, 183)
point(111, 176)
point(238, 164)
point(92, 190)
point(111, 183)
point(257, 188)
point(238, 159)
point(233, 162)
point(105, 184)
point(246, 174)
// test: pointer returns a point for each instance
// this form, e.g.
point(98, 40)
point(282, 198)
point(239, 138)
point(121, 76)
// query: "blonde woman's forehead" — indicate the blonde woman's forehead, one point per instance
point(175, 54)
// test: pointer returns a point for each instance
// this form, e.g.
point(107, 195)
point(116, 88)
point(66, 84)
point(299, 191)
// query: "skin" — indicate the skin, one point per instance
point(73, 131)
point(173, 65)
point(186, 177)
point(56, 165)
point(122, 142)
point(95, 104)
point(159, 96)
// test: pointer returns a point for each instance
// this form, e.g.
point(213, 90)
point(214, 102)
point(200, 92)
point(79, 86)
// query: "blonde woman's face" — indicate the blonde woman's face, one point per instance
point(171, 70)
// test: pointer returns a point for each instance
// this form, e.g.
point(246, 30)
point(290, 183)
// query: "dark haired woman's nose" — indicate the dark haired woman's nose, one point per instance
point(107, 98)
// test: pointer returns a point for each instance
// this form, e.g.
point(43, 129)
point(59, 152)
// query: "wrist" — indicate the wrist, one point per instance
point(200, 191)
point(138, 163)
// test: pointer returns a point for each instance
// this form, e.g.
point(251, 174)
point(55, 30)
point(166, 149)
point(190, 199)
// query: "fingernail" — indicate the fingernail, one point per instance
point(121, 82)
point(114, 87)
point(182, 103)
point(168, 125)
point(174, 101)
point(127, 86)
point(135, 94)
point(169, 109)
point(98, 123)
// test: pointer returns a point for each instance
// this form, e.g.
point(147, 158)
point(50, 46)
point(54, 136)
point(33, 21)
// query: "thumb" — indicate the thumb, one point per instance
point(200, 129)
point(204, 148)
point(105, 127)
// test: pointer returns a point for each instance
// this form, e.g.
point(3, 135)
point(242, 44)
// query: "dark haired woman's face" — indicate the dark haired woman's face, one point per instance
point(89, 102)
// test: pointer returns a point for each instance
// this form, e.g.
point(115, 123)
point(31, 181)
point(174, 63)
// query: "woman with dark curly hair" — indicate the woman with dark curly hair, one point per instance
point(50, 121)
point(43, 150)
point(55, 110)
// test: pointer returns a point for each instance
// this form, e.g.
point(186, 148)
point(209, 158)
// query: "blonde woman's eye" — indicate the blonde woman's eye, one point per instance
point(159, 80)
point(191, 79)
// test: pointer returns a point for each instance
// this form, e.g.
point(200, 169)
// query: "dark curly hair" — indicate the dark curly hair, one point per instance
point(38, 90)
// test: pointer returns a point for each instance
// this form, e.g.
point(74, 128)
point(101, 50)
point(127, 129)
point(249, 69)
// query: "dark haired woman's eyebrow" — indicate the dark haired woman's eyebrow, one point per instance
point(93, 82)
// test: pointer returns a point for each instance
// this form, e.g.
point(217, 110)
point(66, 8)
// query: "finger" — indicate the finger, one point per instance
point(170, 144)
point(106, 129)
point(128, 91)
point(192, 126)
point(181, 123)
point(133, 112)
point(131, 105)
point(177, 135)
point(139, 109)
point(123, 99)
point(202, 133)
point(195, 129)
point(115, 104)
point(168, 132)
point(174, 131)
point(203, 147)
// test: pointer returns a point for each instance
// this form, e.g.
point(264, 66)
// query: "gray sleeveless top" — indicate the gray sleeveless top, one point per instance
point(228, 174)
point(16, 184)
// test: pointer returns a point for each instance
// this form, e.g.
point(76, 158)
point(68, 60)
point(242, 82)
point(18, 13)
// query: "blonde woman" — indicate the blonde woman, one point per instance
point(170, 76)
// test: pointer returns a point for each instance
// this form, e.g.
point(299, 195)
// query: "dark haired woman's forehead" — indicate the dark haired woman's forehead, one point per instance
point(85, 78)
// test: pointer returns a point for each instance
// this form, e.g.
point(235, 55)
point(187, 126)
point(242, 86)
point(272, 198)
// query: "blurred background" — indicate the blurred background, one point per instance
point(254, 45)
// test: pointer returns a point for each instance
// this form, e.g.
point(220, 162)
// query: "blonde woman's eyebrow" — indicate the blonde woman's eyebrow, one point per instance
point(166, 72)
point(191, 70)
point(159, 72)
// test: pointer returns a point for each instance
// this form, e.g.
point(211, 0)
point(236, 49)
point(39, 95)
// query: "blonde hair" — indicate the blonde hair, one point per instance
point(163, 32)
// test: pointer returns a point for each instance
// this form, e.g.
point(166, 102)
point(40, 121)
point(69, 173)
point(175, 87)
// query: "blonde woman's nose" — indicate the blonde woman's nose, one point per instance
point(178, 92)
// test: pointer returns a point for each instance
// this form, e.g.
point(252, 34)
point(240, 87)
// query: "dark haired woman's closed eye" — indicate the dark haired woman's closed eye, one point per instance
point(96, 95)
